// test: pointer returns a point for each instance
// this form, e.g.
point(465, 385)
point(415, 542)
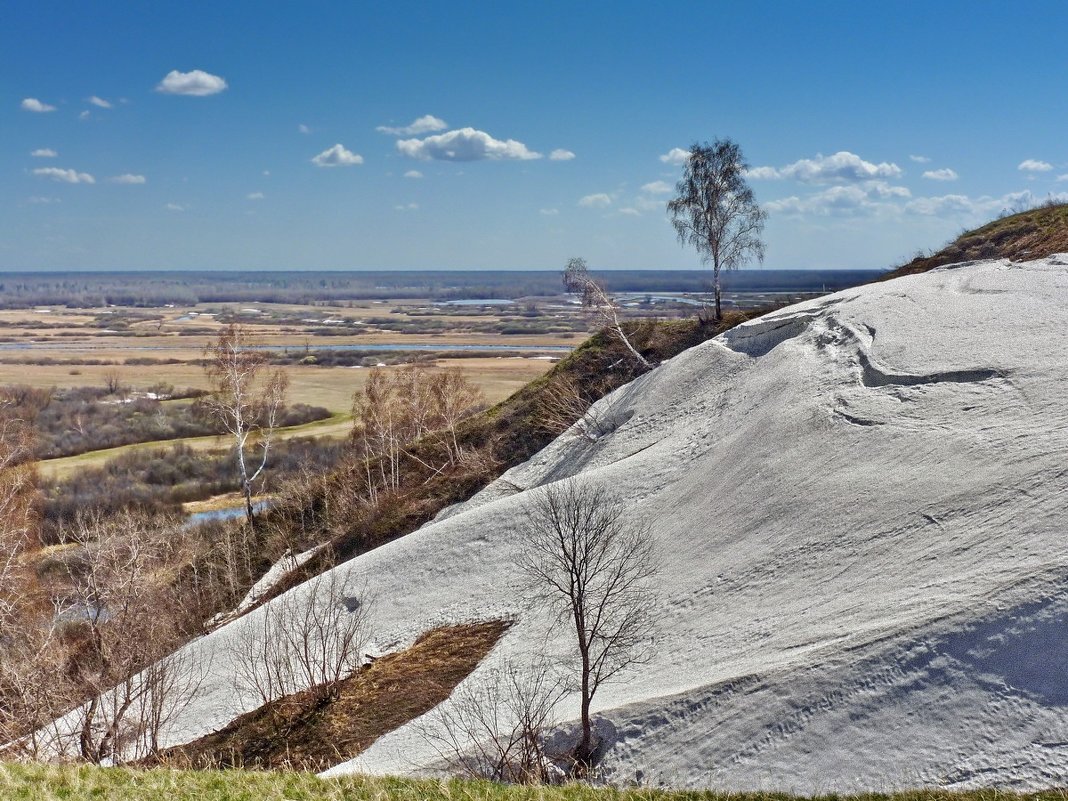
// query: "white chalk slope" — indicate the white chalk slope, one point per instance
point(861, 510)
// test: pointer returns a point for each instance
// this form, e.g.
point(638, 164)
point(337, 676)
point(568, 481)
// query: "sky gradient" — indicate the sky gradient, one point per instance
point(246, 135)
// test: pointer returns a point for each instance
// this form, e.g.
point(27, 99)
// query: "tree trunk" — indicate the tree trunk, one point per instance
point(250, 514)
point(715, 281)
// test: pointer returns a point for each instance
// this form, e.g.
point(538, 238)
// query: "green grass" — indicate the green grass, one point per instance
point(36, 782)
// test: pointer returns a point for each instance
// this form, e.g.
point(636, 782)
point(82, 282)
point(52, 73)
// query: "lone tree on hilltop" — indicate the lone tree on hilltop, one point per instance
point(246, 402)
point(595, 297)
point(715, 210)
point(585, 559)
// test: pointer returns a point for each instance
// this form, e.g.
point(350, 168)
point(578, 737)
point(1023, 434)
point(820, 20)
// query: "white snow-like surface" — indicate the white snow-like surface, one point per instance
point(861, 512)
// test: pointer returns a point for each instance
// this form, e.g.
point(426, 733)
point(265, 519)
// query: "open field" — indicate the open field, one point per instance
point(331, 387)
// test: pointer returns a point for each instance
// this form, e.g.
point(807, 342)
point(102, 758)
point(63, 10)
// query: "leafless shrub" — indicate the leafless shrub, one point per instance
point(496, 728)
point(563, 403)
point(304, 639)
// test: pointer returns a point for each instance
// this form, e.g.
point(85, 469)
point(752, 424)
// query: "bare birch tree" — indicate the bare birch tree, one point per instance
point(595, 297)
point(715, 210)
point(587, 561)
point(247, 400)
point(398, 408)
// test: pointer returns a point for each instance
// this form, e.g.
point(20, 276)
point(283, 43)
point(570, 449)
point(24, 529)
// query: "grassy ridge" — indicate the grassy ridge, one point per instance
point(1032, 234)
point(35, 782)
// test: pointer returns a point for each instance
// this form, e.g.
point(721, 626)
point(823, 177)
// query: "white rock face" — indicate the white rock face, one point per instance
point(861, 511)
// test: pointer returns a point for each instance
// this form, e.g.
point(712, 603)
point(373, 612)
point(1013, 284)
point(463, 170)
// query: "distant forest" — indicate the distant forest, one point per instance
point(87, 290)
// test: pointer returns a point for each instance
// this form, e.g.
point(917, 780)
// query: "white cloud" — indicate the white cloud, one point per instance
point(127, 178)
point(413, 174)
point(196, 83)
point(38, 200)
point(658, 188)
point(304, 129)
point(943, 174)
point(425, 124)
point(596, 201)
point(267, 173)
point(630, 212)
point(99, 102)
point(174, 207)
point(864, 198)
point(84, 115)
point(337, 156)
point(920, 159)
point(407, 207)
point(1034, 165)
point(561, 155)
point(65, 176)
point(549, 212)
point(255, 196)
point(465, 144)
point(980, 207)
point(33, 104)
point(676, 156)
point(762, 173)
point(944, 205)
point(842, 167)
point(44, 153)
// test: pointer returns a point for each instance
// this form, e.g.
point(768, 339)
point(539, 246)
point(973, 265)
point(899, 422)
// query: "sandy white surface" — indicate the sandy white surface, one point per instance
point(861, 512)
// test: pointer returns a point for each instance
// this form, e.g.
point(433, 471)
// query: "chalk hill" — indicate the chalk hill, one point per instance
point(861, 508)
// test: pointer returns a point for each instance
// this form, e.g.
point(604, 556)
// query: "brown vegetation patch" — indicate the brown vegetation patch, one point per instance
point(322, 727)
point(1032, 234)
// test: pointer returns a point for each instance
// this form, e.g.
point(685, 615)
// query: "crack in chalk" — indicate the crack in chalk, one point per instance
point(873, 376)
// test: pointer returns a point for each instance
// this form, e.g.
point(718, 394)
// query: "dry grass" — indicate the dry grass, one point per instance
point(314, 730)
point(1032, 234)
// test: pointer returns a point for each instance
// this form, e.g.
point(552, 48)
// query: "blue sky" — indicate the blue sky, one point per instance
point(186, 135)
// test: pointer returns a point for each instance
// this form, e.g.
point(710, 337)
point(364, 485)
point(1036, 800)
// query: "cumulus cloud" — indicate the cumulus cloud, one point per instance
point(630, 212)
point(255, 196)
point(762, 173)
point(196, 83)
point(658, 188)
point(944, 174)
point(127, 178)
point(1034, 165)
point(65, 176)
point(841, 167)
point(465, 144)
point(676, 156)
point(413, 174)
point(337, 156)
point(99, 102)
point(561, 155)
point(867, 197)
point(980, 207)
point(920, 159)
point(1063, 177)
point(174, 207)
point(84, 115)
point(596, 201)
point(35, 105)
point(428, 123)
point(549, 212)
point(44, 153)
